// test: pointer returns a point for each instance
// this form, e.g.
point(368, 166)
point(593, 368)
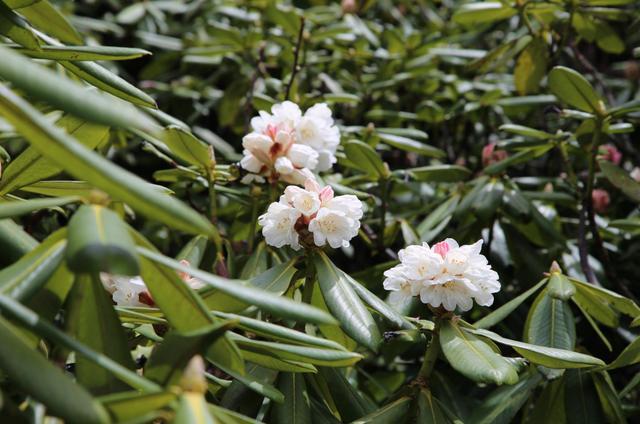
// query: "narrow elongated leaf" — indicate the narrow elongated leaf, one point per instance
point(69, 96)
point(439, 173)
point(344, 303)
point(621, 179)
point(296, 408)
point(62, 149)
point(24, 278)
point(44, 16)
point(429, 409)
point(30, 371)
point(581, 398)
point(267, 301)
point(542, 355)
point(604, 305)
point(349, 402)
point(82, 53)
point(572, 88)
point(365, 158)
point(279, 332)
point(183, 308)
point(192, 409)
point(187, 147)
point(257, 379)
point(409, 145)
point(106, 80)
point(99, 241)
point(14, 241)
point(482, 12)
point(629, 356)
point(306, 354)
point(501, 406)
point(176, 350)
point(473, 357)
point(93, 321)
point(15, 28)
point(395, 412)
point(127, 406)
point(17, 208)
point(31, 166)
point(611, 405)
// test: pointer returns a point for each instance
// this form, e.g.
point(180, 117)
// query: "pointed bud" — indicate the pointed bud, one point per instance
point(555, 268)
point(193, 379)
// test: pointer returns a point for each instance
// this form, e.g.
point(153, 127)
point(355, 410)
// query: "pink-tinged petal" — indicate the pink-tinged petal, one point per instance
point(326, 194)
point(312, 185)
point(441, 248)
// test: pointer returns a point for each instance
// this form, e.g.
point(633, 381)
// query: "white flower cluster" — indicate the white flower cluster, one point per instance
point(311, 211)
point(287, 145)
point(132, 291)
point(446, 274)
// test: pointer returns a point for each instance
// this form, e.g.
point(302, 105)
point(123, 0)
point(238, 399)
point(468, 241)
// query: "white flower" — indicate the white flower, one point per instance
point(128, 290)
point(332, 220)
point(317, 130)
point(278, 225)
point(333, 227)
point(284, 142)
point(307, 202)
point(446, 274)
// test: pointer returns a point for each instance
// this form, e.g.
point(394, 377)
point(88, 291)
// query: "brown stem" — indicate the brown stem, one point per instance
point(296, 56)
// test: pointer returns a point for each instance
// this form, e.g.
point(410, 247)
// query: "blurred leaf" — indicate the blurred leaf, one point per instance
point(438, 173)
point(395, 412)
point(15, 28)
point(630, 355)
point(44, 16)
point(482, 12)
point(93, 322)
point(410, 145)
point(497, 315)
point(126, 406)
point(621, 179)
point(366, 159)
point(187, 147)
point(22, 207)
point(531, 67)
point(81, 53)
point(572, 88)
point(30, 371)
point(100, 242)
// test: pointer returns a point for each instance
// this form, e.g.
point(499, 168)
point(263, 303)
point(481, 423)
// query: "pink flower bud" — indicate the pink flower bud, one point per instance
point(610, 153)
point(600, 199)
point(326, 194)
point(490, 155)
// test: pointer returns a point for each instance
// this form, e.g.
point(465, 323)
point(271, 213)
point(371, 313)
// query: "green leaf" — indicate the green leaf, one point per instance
point(93, 322)
point(34, 375)
point(14, 241)
point(187, 147)
point(63, 150)
point(550, 323)
point(366, 159)
point(296, 408)
point(438, 173)
point(305, 354)
point(106, 80)
point(99, 241)
point(502, 405)
point(613, 300)
point(169, 359)
point(192, 409)
point(531, 67)
point(81, 53)
point(44, 16)
point(278, 332)
point(344, 303)
point(621, 179)
point(609, 400)
point(279, 306)
point(410, 145)
point(31, 166)
point(125, 406)
point(258, 380)
point(23, 207)
point(581, 398)
point(497, 315)
point(182, 307)
point(69, 96)
point(526, 131)
point(473, 357)
point(348, 401)
point(550, 404)
point(482, 12)
point(542, 355)
point(629, 356)
point(394, 412)
point(560, 287)
point(572, 88)
point(25, 278)
point(15, 28)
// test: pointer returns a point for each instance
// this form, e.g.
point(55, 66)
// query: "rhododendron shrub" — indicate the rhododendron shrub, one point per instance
point(319, 212)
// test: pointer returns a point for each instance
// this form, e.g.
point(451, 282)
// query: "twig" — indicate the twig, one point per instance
point(296, 56)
